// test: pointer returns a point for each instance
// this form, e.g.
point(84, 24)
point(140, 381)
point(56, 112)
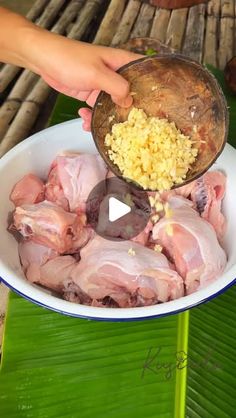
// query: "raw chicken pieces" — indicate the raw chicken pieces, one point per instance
point(191, 244)
point(143, 237)
point(73, 177)
point(129, 278)
point(30, 189)
point(45, 266)
point(48, 224)
point(207, 194)
point(32, 257)
point(177, 253)
point(53, 189)
point(55, 273)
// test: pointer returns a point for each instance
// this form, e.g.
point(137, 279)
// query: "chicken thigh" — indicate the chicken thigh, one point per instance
point(48, 224)
point(28, 190)
point(191, 243)
point(73, 177)
point(126, 273)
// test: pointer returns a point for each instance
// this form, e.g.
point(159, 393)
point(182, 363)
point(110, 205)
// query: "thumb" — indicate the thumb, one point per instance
point(115, 85)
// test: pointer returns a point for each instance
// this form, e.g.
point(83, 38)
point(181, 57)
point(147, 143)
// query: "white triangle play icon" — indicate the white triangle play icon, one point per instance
point(117, 209)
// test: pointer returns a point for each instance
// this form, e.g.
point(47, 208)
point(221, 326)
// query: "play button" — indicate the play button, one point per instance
point(117, 210)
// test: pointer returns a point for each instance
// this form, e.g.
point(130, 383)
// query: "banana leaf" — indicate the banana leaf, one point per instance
point(211, 381)
point(65, 109)
point(179, 366)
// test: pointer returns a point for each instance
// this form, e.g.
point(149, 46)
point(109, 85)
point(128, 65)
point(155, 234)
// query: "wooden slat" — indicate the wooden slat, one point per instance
point(227, 8)
point(36, 9)
point(88, 12)
point(213, 8)
point(194, 36)
point(50, 13)
point(127, 23)
point(174, 4)
point(15, 98)
point(160, 24)
point(176, 28)
point(25, 117)
point(212, 30)
point(69, 14)
point(110, 22)
point(144, 22)
point(226, 46)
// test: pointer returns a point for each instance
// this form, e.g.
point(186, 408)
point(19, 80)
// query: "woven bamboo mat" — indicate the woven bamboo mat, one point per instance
point(206, 32)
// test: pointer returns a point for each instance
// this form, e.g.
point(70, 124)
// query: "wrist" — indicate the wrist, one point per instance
point(29, 46)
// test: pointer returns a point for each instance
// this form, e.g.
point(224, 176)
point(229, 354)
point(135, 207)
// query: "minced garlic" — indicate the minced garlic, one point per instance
point(155, 202)
point(159, 207)
point(131, 251)
point(158, 248)
point(150, 151)
point(169, 230)
point(155, 218)
point(151, 201)
point(168, 210)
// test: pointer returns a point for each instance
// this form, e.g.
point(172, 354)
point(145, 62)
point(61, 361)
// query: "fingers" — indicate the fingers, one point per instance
point(92, 97)
point(61, 88)
point(89, 97)
point(86, 115)
point(115, 85)
point(116, 58)
point(83, 95)
point(126, 102)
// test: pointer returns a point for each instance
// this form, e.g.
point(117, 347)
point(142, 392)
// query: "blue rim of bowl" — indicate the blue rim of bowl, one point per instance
point(143, 318)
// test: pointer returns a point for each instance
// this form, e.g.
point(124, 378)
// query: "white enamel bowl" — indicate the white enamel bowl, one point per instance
point(35, 154)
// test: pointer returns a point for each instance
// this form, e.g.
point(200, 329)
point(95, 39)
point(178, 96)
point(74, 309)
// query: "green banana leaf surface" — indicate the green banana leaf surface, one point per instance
point(54, 366)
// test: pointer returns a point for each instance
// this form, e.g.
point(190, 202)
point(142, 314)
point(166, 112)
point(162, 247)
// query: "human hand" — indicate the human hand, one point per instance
point(86, 69)
point(119, 91)
point(74, 68)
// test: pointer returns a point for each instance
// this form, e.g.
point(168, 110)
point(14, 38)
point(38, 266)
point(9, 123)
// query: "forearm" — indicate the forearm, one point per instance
point(74, 68)
point(27, 45)
point(17, 35)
